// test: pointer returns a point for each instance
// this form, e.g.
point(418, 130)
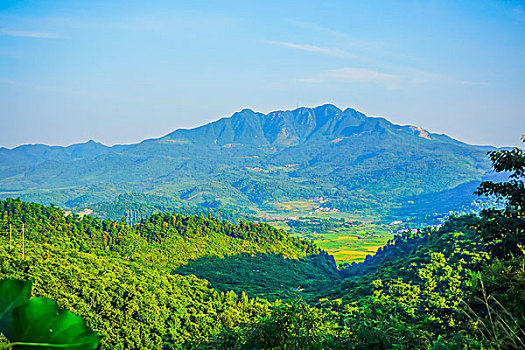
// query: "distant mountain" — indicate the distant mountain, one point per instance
point(292, 128)
point(30, 155)
point(253, 161)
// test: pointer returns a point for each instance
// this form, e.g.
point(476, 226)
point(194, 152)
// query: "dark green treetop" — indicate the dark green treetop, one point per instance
point(504, 230)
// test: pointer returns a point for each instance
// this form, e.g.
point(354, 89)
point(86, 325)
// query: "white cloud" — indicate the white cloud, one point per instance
point(401, 78)
point(37, 35)
point(318, 49)
point(355, 75)
point(359, 75)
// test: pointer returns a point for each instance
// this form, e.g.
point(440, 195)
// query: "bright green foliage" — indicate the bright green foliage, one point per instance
point(38, 323)
point(388, 318)
point(512, 191)
point(118, 278)
point(131, 306)
point(434, 289)
point(162, 240)
point(497, 309)
point(292, 325)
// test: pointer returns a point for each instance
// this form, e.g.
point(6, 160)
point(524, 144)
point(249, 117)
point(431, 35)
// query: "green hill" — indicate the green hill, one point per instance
point(122, 278)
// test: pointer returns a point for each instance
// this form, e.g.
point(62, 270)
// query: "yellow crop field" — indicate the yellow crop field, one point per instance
point(352, 248)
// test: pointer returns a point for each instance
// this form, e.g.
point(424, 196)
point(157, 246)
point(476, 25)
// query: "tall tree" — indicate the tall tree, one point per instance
point(504, 229)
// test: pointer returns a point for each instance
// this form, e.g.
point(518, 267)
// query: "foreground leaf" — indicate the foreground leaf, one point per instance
point(13, 293)
point(41, 324)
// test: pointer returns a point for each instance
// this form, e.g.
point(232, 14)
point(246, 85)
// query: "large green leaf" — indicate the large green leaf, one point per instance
point(13, 293)
point(41, 324)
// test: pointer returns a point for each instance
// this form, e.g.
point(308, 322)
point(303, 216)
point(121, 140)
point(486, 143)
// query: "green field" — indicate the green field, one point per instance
point(353, 244)
point(343, 235)
point(348, 248)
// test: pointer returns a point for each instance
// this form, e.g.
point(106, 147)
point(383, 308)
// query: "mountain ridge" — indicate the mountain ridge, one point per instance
point(250, 161)
point(284, 119)
point(239, 114)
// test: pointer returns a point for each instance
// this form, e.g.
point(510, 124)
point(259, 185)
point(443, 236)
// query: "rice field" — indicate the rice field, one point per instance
point(346, 242)
point(352, 244)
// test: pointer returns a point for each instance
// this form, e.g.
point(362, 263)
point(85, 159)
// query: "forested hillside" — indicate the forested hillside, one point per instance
point(458, 287)
point(114, 274)
point(251, 162)
point(168, 239)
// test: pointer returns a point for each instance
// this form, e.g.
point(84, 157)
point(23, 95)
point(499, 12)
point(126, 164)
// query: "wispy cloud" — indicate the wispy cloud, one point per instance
point(355, 75)
point(400, 78)
point(335, 52)
point(475, 83)
point(25, 34)
point(416, 77)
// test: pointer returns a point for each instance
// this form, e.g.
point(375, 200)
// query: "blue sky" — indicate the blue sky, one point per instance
point(123, 71)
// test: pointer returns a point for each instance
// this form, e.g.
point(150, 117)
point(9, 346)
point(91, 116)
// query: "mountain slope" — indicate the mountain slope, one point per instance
point(250, 161)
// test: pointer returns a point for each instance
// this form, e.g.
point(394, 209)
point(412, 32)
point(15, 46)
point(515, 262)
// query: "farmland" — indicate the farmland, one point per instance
point(348, 237)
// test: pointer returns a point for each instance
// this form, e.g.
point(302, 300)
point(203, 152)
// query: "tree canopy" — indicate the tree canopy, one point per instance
point(504, 229)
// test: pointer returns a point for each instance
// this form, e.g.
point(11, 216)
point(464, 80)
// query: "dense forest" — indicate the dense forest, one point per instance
point(196, 282)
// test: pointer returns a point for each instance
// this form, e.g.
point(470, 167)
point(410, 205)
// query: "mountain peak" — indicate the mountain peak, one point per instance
point(328, 106)
point(285, 128)
point(327, 110)
point(247, 110)
point(90, 143)
point(252, 159)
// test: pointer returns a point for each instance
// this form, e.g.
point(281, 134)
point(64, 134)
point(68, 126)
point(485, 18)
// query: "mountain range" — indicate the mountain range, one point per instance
point(251, 162)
